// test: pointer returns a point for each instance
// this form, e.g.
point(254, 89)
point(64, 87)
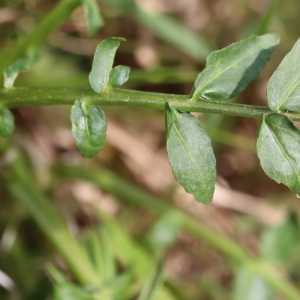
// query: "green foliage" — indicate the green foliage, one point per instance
point(109, 264)
point(68, 291)
point(278, 244)
point(190, 154)
point(119, 75)
point(278, 145)
point(98, 248)
point(88, 127)
point(230, 70)
point(283, 89)
point(102, 64)
point(93, 16)
point(21, 65)
point(7, 122)
point(164, 232)
point(250, 286)
point(153, 283)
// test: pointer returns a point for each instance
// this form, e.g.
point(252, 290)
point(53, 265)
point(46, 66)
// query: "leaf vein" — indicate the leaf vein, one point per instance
point(189, 154)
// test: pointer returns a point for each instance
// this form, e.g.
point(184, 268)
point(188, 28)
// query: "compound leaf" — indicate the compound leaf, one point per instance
point(119, 75)
point(88, 127)
point(92, 15)
point(283, 89)
point(103, 62)
point(190, 154)
point(278, 145)
point(7, 122)
point(228, 71)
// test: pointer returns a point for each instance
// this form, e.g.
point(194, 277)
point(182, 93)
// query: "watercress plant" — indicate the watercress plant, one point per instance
point(227, 73)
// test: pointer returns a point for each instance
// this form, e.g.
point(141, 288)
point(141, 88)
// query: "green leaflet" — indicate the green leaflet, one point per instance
point(190, 154)
point(21, 65)
point(228, 71)
point(102, 64)
point(7, 122)
point(92, 15)
point(278, 145)
point(249, 286)
point(88, 127)
point(283, 89)
point(119, 75)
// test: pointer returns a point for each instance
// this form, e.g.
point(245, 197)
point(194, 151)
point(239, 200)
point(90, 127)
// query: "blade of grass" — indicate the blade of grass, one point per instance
point(96, 243)
point(153, 283)
point(267, 18)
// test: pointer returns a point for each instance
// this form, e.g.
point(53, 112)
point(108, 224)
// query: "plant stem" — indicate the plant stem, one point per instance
point(112, 183)
point(18, 97)
point(37, 36)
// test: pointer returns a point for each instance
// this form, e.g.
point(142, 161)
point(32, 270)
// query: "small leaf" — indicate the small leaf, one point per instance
point(278, 145)
point(283, 89)
point(230, 70)
point(93, 16)
point(103, 62)
point(250, 286)
point(21, 65)
point(7, 122)
point(153, 283)
point(281, 243)
point(119, 75)
point(190, 154)
point(88, 127)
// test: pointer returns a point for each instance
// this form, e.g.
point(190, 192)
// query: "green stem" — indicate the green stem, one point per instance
point(37, 36)
point(111, 183)
point(18, 97)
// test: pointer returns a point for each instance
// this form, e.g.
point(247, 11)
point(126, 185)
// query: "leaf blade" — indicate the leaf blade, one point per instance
point(190, 154)
point(283, 90)
point(88, 127)
point(277, 148)
point(119, 75)
point(102, 63)
point(228, 71)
